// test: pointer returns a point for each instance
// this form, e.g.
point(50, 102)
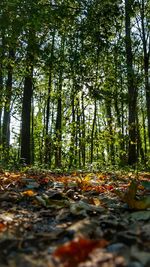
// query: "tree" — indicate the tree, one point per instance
point(48, 148)
point(131, 84)
point(71, 81)
point(7, 106)
point(58, 129)
point(26, 104)
point(145, 35)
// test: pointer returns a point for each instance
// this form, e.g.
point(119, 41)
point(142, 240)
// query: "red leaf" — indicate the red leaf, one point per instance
point(2, 227)
point(77, 251)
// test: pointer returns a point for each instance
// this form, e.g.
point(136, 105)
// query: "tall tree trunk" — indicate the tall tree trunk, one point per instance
point(47, 134)
point(78, 143)
point(32, 132)
point(83, 133)
point(93, 131)
point(110, 128)
point(26, 120)
point(140, 150)
point(144, 133)
point(6, 116)
point(2, 56)
point(132, 90)
point(73, 127)
point(47, 158)
point(58, 128)
point(1, 104)
point(146, 51)
point(26, 106)
point(73, 133)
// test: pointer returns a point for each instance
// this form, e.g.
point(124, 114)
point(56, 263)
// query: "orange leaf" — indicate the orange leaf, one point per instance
point(29, 193)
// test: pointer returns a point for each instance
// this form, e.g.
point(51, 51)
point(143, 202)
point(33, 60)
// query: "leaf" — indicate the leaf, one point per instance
point(2, 227)
point(95, 201)
point(140, 215)
point(77, 251)
point(29, 193)
point(141, 204)
point(30, 183)
point(7, 217)
point(48, 202)
point(129, 197)
point(82, 208)
point(41, 200)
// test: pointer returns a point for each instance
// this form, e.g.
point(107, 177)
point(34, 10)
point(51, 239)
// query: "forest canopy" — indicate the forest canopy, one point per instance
point(74, 83)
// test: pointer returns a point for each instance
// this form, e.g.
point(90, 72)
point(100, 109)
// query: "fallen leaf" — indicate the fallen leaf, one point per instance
point(129, 197)
point(2, 227)
point(29, 193)
point(82, 208)
point(140, 215)
point(95, 201)
point(53, 203)
point(77, 251)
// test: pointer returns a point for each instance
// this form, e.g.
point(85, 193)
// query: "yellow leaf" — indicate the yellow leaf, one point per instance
point(96, 201)
point(129, 197)
point(141, 204)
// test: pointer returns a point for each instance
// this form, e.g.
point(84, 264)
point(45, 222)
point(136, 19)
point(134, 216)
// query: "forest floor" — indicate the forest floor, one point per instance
point(74, 220)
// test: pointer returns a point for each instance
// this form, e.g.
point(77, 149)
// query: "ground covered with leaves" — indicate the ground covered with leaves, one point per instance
point(74, 220)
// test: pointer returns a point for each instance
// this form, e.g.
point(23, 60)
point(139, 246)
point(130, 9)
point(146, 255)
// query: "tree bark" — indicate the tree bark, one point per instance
point(6, 116)
point(26, 107)
point(26, 120)
point(47, 134)
point(93, 130)
point(132, 90)
point(58, 127)
point(110, 128)
point(83, 150)
point(146, 52)
point(73, 132)
point(1, 104)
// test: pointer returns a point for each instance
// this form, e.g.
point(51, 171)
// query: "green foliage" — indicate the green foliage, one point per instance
point(79, 57)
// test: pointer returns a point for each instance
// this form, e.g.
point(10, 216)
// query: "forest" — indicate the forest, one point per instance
point(75, 133)
point(74, 83)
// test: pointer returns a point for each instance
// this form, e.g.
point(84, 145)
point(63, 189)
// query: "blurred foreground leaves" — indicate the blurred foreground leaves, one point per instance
point(77, 219)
